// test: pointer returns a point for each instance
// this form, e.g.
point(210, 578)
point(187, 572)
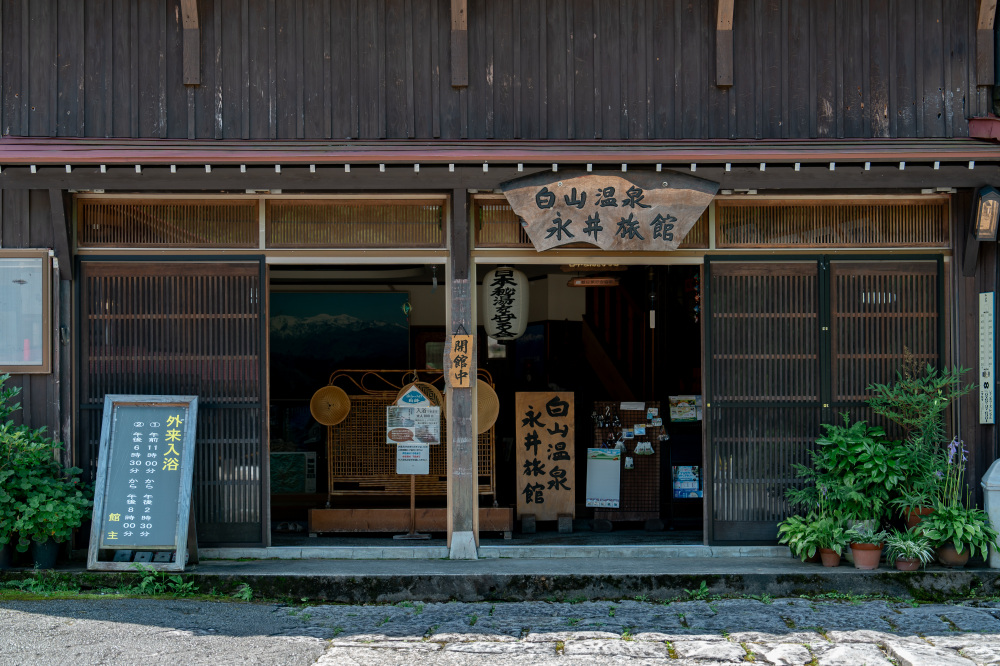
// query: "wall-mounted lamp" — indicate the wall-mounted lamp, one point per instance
point(984, 224)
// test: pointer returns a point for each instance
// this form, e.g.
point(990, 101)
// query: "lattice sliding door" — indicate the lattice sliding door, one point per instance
point(877, 309)
point(763, 390)
point(186, 328)
point(793, 345)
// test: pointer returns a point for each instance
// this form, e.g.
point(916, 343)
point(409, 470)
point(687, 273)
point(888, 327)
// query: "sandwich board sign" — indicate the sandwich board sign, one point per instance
point(142, 496)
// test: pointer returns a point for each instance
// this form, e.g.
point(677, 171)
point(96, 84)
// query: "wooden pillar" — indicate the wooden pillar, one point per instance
point(979, 439)
point(463, 497)
point(62, 429)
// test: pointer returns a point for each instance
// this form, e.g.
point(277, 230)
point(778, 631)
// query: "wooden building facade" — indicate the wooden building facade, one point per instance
point(838, 134)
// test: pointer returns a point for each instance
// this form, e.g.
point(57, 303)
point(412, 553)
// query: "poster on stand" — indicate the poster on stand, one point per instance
point(544, 437)
point(413, 458)
point(604, 472)
point(420, 425)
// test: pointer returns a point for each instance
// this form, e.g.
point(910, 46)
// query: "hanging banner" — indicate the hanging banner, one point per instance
point(546, 472)
point(638, 211)
point(505, 303)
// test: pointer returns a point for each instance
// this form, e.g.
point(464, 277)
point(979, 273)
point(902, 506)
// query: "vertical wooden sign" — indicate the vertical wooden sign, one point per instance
point(459, 361)
point(546, 472)
point(987, 364)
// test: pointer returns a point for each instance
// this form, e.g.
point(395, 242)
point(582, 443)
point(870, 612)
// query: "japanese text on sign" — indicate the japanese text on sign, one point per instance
point(143, 486)
point(546, 475)
point(644, 211)
point(459, 365)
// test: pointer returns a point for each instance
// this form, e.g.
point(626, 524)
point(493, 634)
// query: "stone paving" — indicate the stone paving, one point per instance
point(783, 631)
point(789, 632)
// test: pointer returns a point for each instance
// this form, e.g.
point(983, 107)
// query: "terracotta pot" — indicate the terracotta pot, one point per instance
point(815, 559)
point(866, 555)
point(830, 557)
point(906, 564)
point(950, 557)
point(914, 516)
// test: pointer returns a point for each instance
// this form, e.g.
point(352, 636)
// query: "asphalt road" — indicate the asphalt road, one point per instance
point(783, 631)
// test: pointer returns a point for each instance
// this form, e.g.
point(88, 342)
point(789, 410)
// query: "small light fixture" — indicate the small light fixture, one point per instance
point(987, 209)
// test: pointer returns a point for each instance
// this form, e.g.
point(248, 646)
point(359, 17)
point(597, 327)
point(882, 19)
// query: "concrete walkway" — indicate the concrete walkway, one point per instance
point(687, 633)
point(522, 579)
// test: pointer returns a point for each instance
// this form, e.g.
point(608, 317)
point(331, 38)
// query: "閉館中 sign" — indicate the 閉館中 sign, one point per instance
point(142, 496)
point(644, 211)
point(544, 441)
point(459, 362)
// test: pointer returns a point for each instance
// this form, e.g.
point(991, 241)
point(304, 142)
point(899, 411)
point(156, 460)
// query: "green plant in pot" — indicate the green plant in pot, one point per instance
point(956, 528)
point(856, 468)
point(908, 550)
point(916, 402)
point(820, 532)
point(866, 545)
point(44, 502)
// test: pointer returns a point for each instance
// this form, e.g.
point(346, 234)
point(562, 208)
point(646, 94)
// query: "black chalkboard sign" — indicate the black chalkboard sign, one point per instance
point(142, 496)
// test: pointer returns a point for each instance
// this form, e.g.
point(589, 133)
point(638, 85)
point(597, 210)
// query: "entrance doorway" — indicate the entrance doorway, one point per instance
point(630, 353)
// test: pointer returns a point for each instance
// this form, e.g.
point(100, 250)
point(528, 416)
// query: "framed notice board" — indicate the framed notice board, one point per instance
point(142, 496)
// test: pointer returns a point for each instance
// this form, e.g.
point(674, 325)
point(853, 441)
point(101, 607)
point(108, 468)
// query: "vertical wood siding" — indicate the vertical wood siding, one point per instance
point(557, 69)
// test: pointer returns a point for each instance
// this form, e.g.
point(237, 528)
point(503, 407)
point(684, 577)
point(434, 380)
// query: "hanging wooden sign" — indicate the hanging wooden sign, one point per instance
point(638, 211)
point(459, 361)
point(546, 473)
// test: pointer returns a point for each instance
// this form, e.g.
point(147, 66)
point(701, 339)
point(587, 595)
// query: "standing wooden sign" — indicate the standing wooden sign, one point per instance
point(645, 211)
point(142, 498)
point(546, 475)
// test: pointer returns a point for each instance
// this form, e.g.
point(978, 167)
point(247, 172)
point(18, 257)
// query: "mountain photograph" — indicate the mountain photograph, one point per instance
point(312, 334)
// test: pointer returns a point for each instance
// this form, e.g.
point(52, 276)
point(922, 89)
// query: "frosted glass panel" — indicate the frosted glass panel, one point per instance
point(21, 311)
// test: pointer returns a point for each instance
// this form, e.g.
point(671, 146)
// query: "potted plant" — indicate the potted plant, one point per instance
point(916, 402)
point(908, 550)
point(42, 501)
point(866, 545)
point(811, 535)
point(957, 528)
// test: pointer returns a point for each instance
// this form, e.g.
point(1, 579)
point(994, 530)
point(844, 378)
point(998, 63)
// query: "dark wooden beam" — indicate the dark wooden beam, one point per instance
point(777, 177)
point(192, 42)
point(984, 43)
point(60, 234)
point(724, 44)
point(459, 43)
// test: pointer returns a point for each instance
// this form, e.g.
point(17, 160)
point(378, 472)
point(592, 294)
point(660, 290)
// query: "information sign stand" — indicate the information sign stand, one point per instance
point(412, 425)
point(142, 496)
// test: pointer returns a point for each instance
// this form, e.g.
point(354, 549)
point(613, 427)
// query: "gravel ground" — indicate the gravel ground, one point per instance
point(785, 631)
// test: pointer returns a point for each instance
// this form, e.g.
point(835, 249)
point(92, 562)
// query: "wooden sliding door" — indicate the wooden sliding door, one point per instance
point(184, 327)
point(790, 345)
